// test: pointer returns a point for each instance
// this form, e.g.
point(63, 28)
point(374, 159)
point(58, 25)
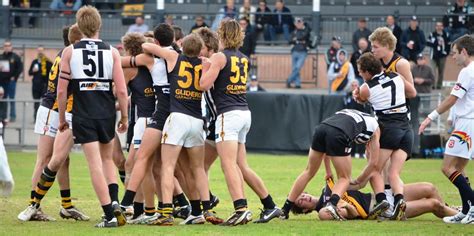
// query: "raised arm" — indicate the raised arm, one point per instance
point(170, 56)
point(139, 60)
point(210, 70)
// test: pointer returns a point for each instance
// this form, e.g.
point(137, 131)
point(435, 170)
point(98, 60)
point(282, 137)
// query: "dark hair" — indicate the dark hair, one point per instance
point(465, 42)
point(178, 33)
point(367, 62)
point(164, 34)
point(299, 211)
point(66, 35)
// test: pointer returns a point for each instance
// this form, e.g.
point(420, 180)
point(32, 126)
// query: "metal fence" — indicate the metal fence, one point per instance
point(20, 133)
point(428, 102)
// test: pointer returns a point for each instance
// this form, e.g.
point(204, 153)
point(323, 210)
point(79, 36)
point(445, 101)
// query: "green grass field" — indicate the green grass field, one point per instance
point(278, 172)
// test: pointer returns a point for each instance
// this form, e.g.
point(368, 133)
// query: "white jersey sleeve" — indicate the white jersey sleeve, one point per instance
point(464, 91)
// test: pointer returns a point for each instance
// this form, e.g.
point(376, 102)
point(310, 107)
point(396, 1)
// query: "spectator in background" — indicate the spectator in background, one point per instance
point(457, 21)
point(25, 5)
point(32, 15)
point(264, 20)
point(73, 5)
point(438, 40)
point(363, 47)
point(301, 41)
point(423, 78)
point(11, 67)
point(139, 26)
point(358, 150)
point(169, 20)
point(340, 74)
point(198, 23)
point(254, 86)
point(250, 38)
point(227, 11)
point(282, 21)
point(39, 69)
point(178, 36)
point(336, 44)
point(248, 11)
point(361, 32)
point(413, 40)
point(396, 30)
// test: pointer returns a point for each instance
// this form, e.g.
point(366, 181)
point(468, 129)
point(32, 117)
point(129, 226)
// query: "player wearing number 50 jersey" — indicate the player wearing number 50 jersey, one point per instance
point(228, 71)
point(459, 146)
point(386, 91)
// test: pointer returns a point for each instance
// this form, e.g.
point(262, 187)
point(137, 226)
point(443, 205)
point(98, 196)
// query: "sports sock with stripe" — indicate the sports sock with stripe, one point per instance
point(167, 210)
point(464, 189)
point(32, 196)
point(45, 183)
point(149, 211)
point(66, 201)
point(268, 202)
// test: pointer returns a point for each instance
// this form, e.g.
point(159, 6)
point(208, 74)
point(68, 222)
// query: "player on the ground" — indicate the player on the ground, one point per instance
point(387, 92)
point(459, 146)
point(228, 71)
point(54, 147)
point(270, 210)
point(421, 198)
point(333, 139)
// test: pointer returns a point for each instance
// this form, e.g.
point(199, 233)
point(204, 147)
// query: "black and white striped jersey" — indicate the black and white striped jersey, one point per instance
point(358, 126)
point(91, 72)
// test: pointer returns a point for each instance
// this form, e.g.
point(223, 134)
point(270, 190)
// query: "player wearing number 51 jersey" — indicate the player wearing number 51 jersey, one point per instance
point(386, 91)
point(227, 71)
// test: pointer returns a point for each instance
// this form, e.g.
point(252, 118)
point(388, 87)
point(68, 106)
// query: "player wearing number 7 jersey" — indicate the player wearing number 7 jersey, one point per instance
point(227, 71)
point(386, 91)
point(184, 127)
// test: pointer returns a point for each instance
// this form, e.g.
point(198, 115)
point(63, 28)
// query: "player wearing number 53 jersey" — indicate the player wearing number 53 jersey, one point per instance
point(184, 127)
point(386, 91)
point(227, 73)
point(459, 146)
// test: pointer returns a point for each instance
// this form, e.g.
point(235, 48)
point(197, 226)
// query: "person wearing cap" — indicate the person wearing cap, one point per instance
point(301, 41)
point(336, 44)
point(361, 32)
point(413, 40)
point(254, 86)
point(424, 78)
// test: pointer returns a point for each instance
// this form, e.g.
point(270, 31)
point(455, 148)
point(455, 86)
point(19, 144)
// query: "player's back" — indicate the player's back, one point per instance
point(230, 87)
point(356, 125)
point(91, 72)
point(464, 90)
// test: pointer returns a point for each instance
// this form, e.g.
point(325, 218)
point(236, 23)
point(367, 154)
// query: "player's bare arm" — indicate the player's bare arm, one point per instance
point(211, 69)
point(410, 91)
point(170, 56)
point(139, 60)
point(63, 82)
point(443, 107)
point(121, 91)
point(403, 68)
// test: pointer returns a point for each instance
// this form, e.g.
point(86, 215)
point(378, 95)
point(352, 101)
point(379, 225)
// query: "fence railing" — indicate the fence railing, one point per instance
point(19, 133)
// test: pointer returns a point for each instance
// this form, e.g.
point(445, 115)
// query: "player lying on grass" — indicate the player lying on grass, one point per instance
point(421, 197)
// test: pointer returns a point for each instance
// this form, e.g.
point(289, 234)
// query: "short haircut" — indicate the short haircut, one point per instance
point(209, 37)
point(368, 63)
point(178, 33)
point(66, 35)
point(132, 43)
point(164, 34)
point(149, 34)
point(385, 37)
point(74, 34)
point(465, 42)
point(230, 34)
point(89, 21)
point(192, 45)
point(298, 210)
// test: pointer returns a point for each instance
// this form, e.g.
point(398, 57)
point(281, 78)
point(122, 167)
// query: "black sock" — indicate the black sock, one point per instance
point(160, 205)
point(108, 211)
point(379, 197)
point(287, 206)
point(211, 196)
point(464, 189)
point(334, 199)
point(397, 198)
point(113, 192)
point(66, 201)
point(240, 203)
point(268, 202)
point(122, 176)
point(137, 209)
point(196, 207)
point(182, 201)
point(206, 205)
point(387, 186)
point(149, 211)
point(128, 198)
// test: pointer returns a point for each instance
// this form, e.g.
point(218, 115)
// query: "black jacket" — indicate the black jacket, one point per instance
point(263, 18)
point(355, 56)
point(301, 39)
point(457, 16)
point(16, 67)
point(40, 80)
point(358, 34)
point(286, 17)
point(439, 44)
point(397, 32)
point(418, 37)
point(250, 41)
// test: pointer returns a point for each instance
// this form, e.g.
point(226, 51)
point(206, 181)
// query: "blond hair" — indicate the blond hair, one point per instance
point(192, 45)
point(211, 41)
point(132, 43)
point(74, 34)
point(230, 34)
point(89, 21)
point(384, 37)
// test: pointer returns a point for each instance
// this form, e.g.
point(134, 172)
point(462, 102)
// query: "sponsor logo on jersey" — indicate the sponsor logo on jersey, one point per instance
point(94, 86)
